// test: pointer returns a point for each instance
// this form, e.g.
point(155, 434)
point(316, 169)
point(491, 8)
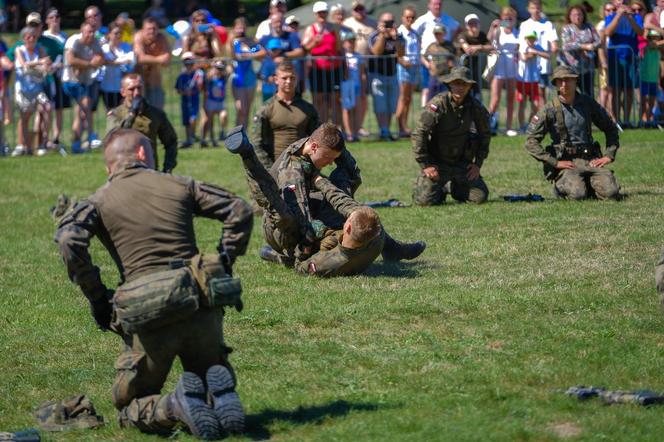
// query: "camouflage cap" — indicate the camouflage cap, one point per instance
point(71, 413)
point(459, 73)
point(563, 72)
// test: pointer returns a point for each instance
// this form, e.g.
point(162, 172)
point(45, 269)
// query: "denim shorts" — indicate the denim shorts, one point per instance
point(408, 75)
point(76, 91)
point(385, 92)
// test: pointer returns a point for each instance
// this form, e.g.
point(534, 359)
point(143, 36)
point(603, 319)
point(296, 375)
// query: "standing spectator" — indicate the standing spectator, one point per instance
point(59, 98)
point(605, 93)
point(439, 60)
point(547, 38)
point(362, 26)
point(202, 41)
point(127, 27)
point(244, 50)
point(93, 16)
point(322, 40)
point(290, 43)
point(83, 56)
point(5, 64)
point(5, 114)
point(424, 27)
point(120, 59)
point(268, 68)
point(153, 53)
point(158, 13)
point(408, 71)
point(32, 66)
point(351, 87)
point(265, 27)
point(472, 41)
point(215, 95)
point(337, 17)
point(189, 84)
point(622, 29)
point(528, 78)
point(580, 40)
point(650, 68)
point(505, 39)
point(388, 46)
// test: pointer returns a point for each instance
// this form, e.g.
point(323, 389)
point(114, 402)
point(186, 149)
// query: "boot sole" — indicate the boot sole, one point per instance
point(198, 416)
point(227, 405)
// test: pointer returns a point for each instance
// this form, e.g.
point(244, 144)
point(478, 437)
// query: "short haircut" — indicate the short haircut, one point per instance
point(508, 10)
point(578, 8)
point(120, 146)
point(150, 21)
point(240, 20)
point(84, 24)
point(328, 135)
point(535, 2)
point(287, 66)
point(113, 26)
point(410, 8)
point(90, 8)
point(27, 30)
point(365, 225)
point(129, 77)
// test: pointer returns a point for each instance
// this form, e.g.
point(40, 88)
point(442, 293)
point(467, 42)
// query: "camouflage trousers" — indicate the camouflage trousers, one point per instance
point(428, 192)
point(580, 182)
point(146, 360)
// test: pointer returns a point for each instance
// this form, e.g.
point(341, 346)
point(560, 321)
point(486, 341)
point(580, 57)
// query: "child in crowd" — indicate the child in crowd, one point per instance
point(189, 84)
point(4, 64)
point(351, 87)
point(528, 77)
point(438, 59)
point(649, 69)
point(215, 87)
point(268, 68)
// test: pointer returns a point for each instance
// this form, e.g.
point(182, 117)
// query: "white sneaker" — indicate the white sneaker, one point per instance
point(19, 151)
point(41, 151)
point(511, 133)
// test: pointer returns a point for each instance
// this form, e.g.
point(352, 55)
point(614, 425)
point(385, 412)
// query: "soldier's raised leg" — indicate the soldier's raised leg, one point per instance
point(604, 183)
point(571, 184)
point(428, 192)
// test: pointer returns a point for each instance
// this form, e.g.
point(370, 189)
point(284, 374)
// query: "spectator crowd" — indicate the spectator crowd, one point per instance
point(343, 59)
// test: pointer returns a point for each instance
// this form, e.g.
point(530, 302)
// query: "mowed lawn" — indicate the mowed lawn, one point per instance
point(509, 302)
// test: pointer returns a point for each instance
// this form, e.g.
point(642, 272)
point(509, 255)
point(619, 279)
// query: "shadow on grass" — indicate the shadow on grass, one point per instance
point(256, 423)
point(397, 269)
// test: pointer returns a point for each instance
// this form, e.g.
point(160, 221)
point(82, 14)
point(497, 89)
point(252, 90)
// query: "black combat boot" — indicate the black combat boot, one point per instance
point(188, 404)
point(394, 250)
point(237, 142)
point(225, 400)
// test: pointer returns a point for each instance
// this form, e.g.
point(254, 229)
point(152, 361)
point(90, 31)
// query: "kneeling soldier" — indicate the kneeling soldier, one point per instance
point(574, 162)
point(165, 306)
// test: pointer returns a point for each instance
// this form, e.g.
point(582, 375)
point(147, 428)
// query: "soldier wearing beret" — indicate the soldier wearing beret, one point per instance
point(574, 161)
point(451, 142)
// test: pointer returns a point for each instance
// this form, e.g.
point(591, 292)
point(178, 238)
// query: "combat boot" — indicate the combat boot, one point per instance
point(394, 250)
point(225, 400)
point(237, 142)
point(188, 404)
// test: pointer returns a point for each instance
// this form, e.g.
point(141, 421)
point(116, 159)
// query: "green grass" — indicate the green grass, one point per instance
point(508, 302)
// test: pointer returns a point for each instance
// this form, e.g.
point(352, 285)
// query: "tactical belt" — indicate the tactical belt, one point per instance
point(583, 151)
point(178, 263)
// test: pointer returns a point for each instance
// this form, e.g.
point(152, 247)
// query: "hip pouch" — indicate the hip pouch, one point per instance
point(218, 289)
point(155, 300)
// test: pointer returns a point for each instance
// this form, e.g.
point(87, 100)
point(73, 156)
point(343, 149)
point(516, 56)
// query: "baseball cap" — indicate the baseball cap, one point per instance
point(336, 7)
point(320, 7)
point(277, 2)
point(291, 19)
point(532, 35)
point(470, 17)
point(33, 17)
point(439, 28)
point(187, 56)
point(357, 3)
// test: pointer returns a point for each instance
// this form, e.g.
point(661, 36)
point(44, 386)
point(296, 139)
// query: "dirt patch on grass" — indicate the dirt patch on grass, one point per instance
point(565, 430)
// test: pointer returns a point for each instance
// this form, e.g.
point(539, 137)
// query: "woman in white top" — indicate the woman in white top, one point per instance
point(60, 99)
point(120, 59)
point(503, 34)
point(408, 68)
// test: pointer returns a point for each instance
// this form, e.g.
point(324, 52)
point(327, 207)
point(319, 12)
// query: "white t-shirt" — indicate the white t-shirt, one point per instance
point(412, 46)
point(263, 29)
point(424, 27)
point(529, 70)
point(81, 75)
point(546, 34)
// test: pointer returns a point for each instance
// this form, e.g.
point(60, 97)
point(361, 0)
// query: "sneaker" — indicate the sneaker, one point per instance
point(362, 132)
point(222, 136)
point(77, 148)
point(225, 400)
point(204, 143)
point(185, 145)
point(19, 151)
point(404, 134)
point(511, 133)
point(396, 250)
point(42, 151)
point(214, 143)
point(93, 141)
point(493, 124)
point(189, 405)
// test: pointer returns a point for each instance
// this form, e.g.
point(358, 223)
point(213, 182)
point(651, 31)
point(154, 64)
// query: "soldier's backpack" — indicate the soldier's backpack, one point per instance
point(155, 300)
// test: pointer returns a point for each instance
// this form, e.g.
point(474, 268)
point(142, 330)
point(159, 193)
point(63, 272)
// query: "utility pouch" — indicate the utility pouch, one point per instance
point(217, 288)
point(550, 172)
point(155, 300)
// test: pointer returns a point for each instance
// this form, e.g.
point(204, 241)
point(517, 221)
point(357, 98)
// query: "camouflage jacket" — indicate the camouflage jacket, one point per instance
point(447, 133)
point(278, 124)
point(586, 111)
point(153, 123)
point(145, 220)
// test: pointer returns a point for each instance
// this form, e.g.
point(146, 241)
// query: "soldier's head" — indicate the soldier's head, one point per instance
point(131, 87)
point(459, 82)
point(286, 79)
point(324, 145)
point(565, 78)
point(125, 146)
point(362, 226)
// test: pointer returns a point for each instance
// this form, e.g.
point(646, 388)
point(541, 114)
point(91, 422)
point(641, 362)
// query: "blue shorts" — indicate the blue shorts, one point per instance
point(385, 92)
point(621, 72)
point(189, 107)
point(408, 75)
point(424, 74)
point(76, 91)
point(648, 89)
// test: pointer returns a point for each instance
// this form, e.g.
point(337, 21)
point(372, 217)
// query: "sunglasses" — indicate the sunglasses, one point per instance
point(410, 17)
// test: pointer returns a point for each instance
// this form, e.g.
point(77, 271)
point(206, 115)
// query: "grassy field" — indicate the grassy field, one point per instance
point(509, 302)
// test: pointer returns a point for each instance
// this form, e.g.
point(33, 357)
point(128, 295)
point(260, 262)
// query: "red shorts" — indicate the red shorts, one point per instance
point(527, 90)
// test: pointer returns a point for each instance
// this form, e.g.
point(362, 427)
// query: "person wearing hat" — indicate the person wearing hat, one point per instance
point(438, 59)
point(574, 161)
point(265, 27)
point(451, 142)
point(528, 77)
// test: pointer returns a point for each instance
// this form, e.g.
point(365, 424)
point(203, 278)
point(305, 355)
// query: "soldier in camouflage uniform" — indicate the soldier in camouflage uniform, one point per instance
point(144, 219)
point(283, 119)
point(294, 229)
point(451, 142)
point(136, 113)
point(574, 162)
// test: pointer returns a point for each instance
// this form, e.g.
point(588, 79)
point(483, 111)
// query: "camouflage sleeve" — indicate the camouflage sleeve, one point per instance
point(337, 198)
point(602, 120)
point(169, 139)
point(421, 134)
point(659, 276)
point(324, 264)
point(262, 136)
point(481, 118)
point(537, 129)
point(238, 218)
point(73, 237)
point(292, 181)
point(347, 163)
point(112, 121)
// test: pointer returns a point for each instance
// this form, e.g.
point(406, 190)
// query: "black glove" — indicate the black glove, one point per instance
point(102, 311)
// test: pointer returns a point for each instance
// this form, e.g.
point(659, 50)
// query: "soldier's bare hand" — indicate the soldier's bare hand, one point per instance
point(565, 165)
point(431, 172)
point(600, 162)
point(473, 172)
